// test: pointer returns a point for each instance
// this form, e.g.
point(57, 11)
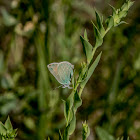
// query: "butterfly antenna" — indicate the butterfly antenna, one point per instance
point(58, 87)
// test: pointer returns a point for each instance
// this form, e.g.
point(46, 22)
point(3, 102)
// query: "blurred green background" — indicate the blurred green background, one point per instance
point(34, 33)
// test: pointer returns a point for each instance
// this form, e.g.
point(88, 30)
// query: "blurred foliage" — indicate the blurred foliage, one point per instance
point(36, 33)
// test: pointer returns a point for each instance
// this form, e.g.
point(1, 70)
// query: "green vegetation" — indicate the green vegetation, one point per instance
point(36, 33)
point(73, 102)
point(6, 131)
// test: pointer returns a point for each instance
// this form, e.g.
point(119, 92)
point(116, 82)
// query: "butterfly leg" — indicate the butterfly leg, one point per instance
point(64, 86)
point(70, 87)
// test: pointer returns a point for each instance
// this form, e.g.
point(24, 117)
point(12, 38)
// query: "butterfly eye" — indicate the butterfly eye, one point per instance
point(49, 65)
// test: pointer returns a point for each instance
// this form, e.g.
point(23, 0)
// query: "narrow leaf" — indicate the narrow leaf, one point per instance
point(13, 134)
point(122, 22)
point(72, 124)
point(87, 47)
point(130, 3)
point(113, 8)
point(98, 36)
point(66, 110)
point(8, 124)
point(100, 24)
point(110, 22)
point(85, 35)
point(91, 69)
point(67, 107)
point(77, 101)
point(2, 129)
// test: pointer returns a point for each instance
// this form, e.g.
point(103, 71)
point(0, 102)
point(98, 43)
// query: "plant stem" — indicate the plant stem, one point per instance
point(74, 100)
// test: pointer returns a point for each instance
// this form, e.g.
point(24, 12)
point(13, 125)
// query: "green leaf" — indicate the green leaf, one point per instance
point(114, 10)
point(109, 22)
point(103, 134)
point(3, 130)
point(72, 124)
point(100, 24)
point(122, 14)
point(87, 47)
point(70, 127)
point(70, 113)
point(66, 110)
point(91, 69)
point(67, 107)
point(127, 5)
point(130, 3)
point(77, 101)
point(98, 37)
point(85, 35)
point(83, 72)
point(8, 124)
point(13, 134)
point(122, 22)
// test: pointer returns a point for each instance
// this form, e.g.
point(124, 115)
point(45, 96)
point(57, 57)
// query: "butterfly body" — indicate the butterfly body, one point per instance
point(63, 72)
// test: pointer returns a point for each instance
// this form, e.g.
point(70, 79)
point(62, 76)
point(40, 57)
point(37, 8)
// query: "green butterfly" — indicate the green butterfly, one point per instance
point(63, 72)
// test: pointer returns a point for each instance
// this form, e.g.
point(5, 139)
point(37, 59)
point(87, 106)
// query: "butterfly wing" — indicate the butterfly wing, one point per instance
point(65, 72)
point(62, 71)
point(53, 68)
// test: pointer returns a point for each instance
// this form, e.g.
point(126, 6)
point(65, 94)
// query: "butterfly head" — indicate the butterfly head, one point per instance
point(52, 67)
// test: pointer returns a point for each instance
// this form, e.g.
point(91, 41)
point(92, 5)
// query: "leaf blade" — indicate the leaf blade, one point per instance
point(87, 47)
point(8, 124)
point(91, 69)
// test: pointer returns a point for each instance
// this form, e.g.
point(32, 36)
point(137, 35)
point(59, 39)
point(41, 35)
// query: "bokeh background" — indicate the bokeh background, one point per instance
point(34, 33)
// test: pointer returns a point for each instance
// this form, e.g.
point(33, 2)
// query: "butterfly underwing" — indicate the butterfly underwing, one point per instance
point(63, 72)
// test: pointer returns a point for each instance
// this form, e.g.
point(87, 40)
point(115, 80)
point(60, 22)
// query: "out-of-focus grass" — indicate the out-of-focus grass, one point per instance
point(36, 33)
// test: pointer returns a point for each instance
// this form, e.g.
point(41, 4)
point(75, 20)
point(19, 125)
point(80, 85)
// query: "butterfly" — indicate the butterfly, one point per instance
point(63, 72)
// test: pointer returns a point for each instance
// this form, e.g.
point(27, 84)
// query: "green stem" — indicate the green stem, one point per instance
point(77, 84)
point(81, 90)
point(93, 52)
